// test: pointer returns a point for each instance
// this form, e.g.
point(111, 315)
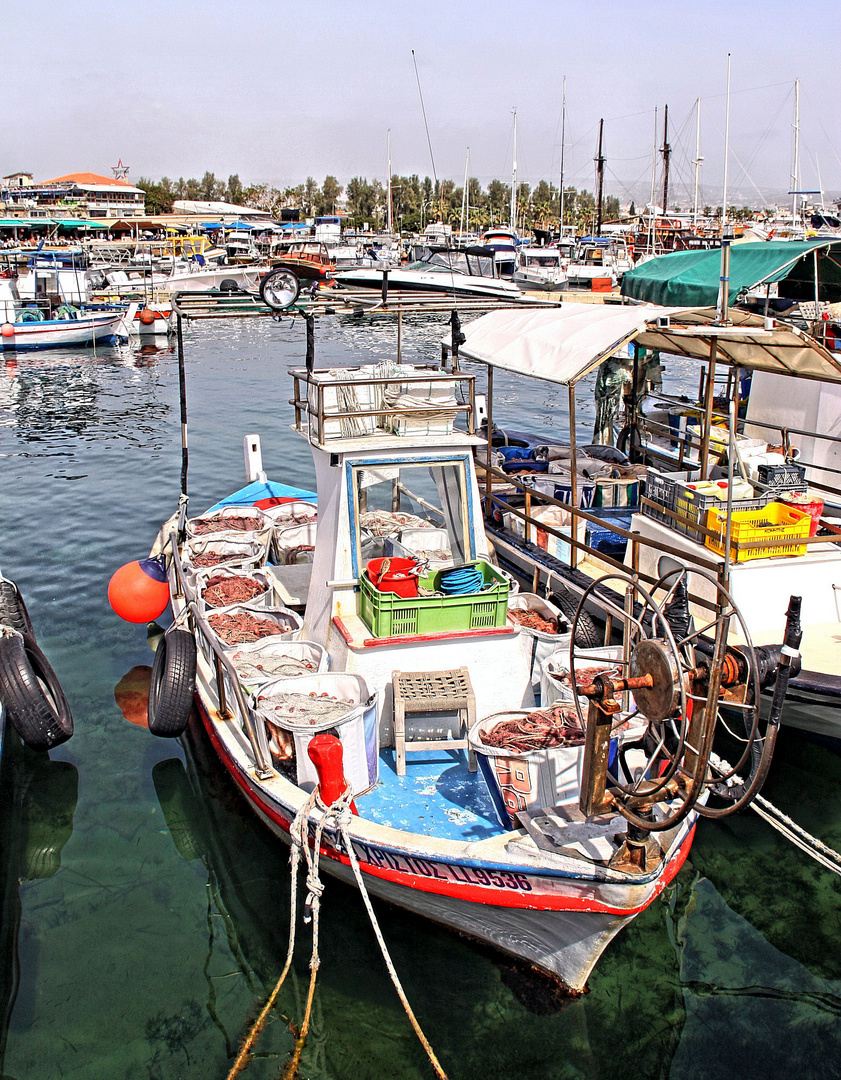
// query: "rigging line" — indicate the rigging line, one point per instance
point(744, 173)
point(425, 124)
point(748, 90)
point(761, 143)
point(820, 124)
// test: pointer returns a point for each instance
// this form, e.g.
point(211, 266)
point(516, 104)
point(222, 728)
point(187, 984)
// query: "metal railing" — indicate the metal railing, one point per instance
point(222, 665)
point(312, 414)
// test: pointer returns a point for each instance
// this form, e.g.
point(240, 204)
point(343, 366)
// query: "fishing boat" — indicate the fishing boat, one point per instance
point(765, 524)
point(465, 272)
point(41, 325)
point(398, 659)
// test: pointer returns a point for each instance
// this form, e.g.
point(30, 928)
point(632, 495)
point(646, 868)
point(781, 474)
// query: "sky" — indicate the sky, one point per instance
point(278, 91)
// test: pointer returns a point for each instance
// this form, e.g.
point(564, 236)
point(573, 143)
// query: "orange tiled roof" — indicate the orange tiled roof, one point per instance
point(86, 178)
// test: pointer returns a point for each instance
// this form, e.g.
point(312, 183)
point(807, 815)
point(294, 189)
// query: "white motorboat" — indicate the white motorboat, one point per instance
point(543, 268)
point(599, 259)
point(465, 272)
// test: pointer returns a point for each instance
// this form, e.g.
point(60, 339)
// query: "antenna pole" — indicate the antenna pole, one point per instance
point(563, 139)
point(697, 163)
point(600, 175)
point(726, 151)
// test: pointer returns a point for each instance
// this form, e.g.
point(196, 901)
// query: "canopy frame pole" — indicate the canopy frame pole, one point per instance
point(488, 460)
point(818, 320)
point(573, 467)
point(708, 408)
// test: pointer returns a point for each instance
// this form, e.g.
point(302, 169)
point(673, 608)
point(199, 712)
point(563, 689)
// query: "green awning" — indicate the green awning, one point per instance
point(691, 278)
point(25, 223)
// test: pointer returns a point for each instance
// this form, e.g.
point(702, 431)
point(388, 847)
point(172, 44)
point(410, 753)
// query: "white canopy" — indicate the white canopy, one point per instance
point(563, 345)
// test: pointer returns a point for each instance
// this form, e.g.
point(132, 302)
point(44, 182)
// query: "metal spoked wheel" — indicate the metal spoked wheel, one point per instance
point(279, 289)
point(681, 675)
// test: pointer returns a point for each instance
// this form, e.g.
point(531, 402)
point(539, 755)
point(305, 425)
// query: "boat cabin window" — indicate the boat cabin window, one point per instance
point(394, 504)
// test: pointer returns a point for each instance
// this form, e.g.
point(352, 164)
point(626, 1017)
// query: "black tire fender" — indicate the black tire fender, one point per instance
point(173, 684)
point(13, 610)
point(32, 694)
point(587, 635)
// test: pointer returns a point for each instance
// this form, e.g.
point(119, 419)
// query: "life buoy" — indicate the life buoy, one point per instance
point(173, 684)
point(31, 693)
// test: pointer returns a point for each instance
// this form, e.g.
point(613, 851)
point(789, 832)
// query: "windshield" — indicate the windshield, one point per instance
point(411, 509)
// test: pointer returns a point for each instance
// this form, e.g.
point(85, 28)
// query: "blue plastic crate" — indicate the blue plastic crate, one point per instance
point(604, 539)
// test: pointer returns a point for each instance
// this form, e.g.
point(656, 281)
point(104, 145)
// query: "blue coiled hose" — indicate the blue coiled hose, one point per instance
point(463, 579)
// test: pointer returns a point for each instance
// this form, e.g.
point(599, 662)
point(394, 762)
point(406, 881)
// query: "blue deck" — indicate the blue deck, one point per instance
point(438, 796)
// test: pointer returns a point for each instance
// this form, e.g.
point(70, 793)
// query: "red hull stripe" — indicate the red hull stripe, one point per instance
point(474, 893)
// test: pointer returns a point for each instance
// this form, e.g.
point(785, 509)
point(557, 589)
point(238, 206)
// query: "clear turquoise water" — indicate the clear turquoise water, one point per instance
point(146, 907)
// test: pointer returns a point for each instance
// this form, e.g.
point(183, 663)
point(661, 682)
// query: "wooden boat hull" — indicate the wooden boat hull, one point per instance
point(557, 920)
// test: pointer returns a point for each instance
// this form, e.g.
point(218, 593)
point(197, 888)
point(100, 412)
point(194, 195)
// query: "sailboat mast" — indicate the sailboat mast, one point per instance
point(563, 136)
point(726, 150)
point(600, 174)
point(697, 163)
point(795, 175)
point(390, 207)
point(651, 196)
point(667, 153)
point(465, 199)
point(513, 215)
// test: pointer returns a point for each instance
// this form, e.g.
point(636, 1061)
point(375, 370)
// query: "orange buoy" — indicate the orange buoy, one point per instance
point(138, 592)
point(147, 317)
point(7, 329)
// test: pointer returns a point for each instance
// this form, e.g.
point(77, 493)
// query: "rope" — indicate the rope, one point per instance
point(357, 873)
point(337, 815)
point(815, 848)
point(244, 1057)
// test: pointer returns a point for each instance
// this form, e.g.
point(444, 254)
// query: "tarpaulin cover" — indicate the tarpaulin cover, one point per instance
point(691, 278)
point(256, 491)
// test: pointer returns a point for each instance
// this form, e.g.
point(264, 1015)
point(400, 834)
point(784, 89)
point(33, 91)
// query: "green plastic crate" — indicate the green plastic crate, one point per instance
point(390, 615)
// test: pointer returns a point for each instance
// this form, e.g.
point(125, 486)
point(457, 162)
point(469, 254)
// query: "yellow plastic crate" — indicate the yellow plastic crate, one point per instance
point(772, 522)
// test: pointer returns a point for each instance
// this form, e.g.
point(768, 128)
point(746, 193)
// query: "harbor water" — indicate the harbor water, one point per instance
point(145, 908)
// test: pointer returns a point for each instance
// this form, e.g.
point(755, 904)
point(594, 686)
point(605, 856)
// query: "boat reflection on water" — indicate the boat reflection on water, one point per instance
point(38, 799)
point(147, 354)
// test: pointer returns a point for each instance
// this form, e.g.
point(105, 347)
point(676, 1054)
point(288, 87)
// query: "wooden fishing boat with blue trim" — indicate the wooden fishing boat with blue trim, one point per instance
point(544, 853)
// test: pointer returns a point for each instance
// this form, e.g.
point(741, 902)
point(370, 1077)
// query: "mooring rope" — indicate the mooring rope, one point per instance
point(243, 1058)
point(357, 873)
point(337, 815)
point(815, 848)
